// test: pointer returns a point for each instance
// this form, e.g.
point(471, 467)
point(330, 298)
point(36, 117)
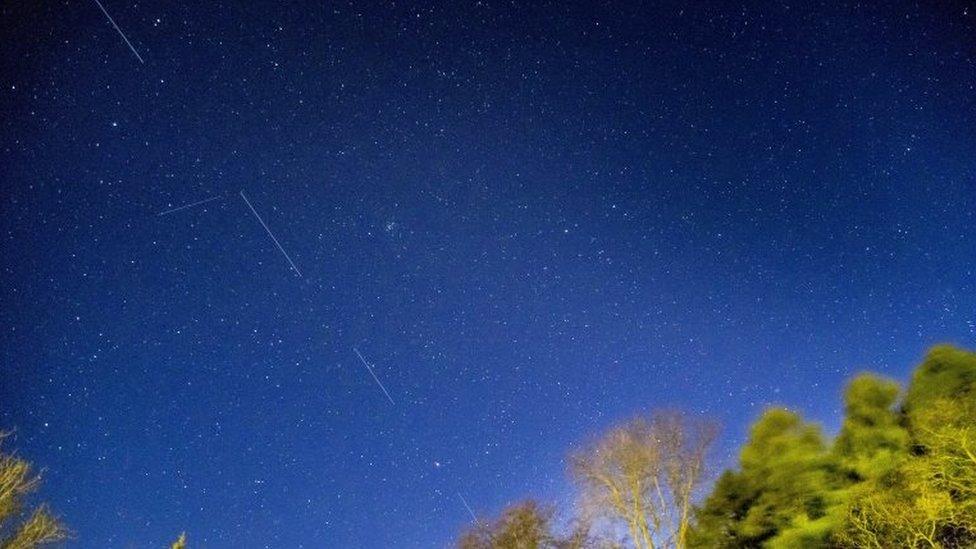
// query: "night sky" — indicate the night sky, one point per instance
point(532, 220)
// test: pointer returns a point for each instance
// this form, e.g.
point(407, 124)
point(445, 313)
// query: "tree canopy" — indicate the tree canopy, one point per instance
point(21, 528)
point(901, 472)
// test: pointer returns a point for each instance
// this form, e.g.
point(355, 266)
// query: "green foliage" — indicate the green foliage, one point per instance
point(787, 460)
point(940, 476)
point(180, 542)
point(946, 373)
point(900, 473)
point(893, 477)
point(785, 484)
point(872, 439)
point(717, 521)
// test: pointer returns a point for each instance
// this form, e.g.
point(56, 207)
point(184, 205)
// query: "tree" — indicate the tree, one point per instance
point(940, 474)
point(19, 529)
point(524, 525)
point(940, 409)
point(946, 373)
point(872, 439)
point(895, 476)
point(925, 494)
point(945, 432)
point(644, 474)
point(780, 495)
point(900, 510)
point(786, 459)
point(716, 523)
point(180, 542)
point(892, 478)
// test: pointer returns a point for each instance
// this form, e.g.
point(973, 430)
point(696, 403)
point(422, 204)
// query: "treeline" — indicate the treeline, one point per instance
point(900, 473)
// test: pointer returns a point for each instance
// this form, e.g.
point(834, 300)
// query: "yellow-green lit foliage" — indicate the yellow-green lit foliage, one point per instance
point(930, 499)
point(180, 542)
point(872, 439)
point(22, 529)
point(900, 473)
point(785, 482)
point(895, 476)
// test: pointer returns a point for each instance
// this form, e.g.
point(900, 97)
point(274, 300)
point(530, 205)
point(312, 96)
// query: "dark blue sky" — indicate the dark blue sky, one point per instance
point(533, 219)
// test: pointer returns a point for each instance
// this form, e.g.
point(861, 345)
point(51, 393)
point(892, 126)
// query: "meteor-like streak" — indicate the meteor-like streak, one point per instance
point(273, 239)
point(197, 203)
point(122, 34)
point(370, 369)
point(468, 507)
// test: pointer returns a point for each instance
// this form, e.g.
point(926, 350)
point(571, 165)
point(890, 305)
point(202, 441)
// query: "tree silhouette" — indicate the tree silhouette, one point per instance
point(22, 529)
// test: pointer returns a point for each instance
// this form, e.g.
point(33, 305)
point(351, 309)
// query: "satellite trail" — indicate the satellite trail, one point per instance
point(199, 202)
point(112, 21)
point(378, 382)
point(275, 240)
point(468, 507)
